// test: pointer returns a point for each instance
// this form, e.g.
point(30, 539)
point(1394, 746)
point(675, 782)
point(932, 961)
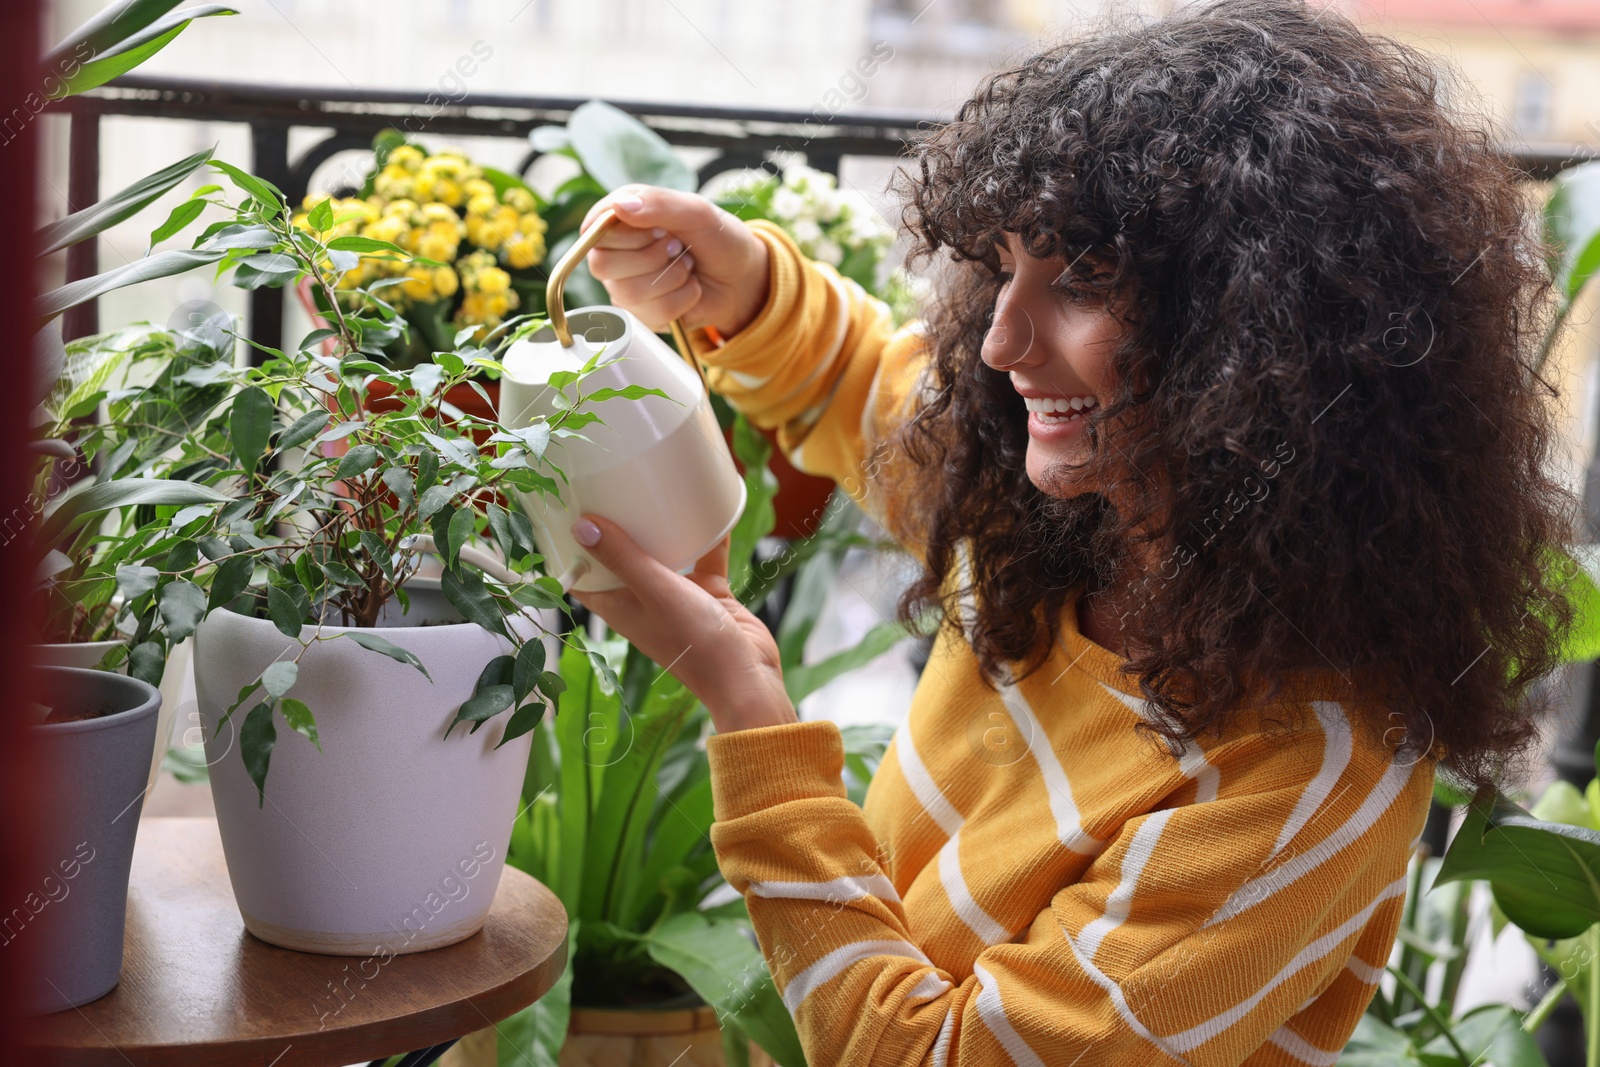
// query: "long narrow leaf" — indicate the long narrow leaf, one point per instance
point(571, 723)
point(133, 51)
point(108, 27)
point(79, 507)
point(727, 970)
point(617, 830)
point(802, 681)
point(120, 205)
point(161, 265)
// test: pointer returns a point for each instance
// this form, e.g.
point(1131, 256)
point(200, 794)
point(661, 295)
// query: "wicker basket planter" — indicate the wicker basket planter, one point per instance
point(620, 1037)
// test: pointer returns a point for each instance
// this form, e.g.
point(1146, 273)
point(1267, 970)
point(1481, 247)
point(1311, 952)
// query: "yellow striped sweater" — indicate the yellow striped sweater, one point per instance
point(1030, 881)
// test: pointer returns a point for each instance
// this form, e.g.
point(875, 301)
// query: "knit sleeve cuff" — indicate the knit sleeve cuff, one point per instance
point(758, 768)
point(781, 315)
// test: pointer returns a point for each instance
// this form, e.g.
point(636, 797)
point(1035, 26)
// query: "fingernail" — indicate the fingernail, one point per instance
point(658, 233)
point(586, 533)
point(674, 246)
point(627, 203)
point(688, 262)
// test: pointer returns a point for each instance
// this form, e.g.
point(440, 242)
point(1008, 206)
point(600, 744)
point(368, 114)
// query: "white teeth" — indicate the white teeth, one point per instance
point(1045, 405)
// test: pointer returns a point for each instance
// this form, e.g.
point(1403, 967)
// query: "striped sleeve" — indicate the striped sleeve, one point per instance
point(823, 365)
point(1195, 936)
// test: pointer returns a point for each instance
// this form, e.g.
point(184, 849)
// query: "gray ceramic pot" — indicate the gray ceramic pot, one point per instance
point(96, 769)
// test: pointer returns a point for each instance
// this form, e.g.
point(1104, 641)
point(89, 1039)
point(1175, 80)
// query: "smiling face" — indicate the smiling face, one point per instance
point(1054, 339)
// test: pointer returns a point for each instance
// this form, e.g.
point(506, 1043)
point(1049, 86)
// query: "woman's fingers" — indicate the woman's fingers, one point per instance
point(618, 264)
point(714, 564)
point(610, 545)
point(648, 206)
point(662, 305)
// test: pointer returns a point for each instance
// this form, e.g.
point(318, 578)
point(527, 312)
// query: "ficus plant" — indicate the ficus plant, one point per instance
point(326, 498)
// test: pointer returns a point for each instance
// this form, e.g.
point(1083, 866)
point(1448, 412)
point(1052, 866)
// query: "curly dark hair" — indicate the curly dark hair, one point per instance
point(1329, 425)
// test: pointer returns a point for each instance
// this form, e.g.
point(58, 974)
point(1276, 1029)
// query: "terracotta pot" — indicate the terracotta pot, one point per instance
point(801, 497)
point(617, 1037)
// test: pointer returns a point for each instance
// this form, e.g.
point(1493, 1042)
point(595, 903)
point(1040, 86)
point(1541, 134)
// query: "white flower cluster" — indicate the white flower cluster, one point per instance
point(827, 223)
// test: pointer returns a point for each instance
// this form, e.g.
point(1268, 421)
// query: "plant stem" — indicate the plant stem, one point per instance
point(1592, 1013)
point(1541, 1011)
point(1432, 1013)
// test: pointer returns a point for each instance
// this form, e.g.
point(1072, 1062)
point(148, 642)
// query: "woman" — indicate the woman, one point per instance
point(1224, 456)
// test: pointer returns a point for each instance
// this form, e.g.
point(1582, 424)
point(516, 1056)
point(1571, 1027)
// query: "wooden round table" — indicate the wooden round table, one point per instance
point(197, 989)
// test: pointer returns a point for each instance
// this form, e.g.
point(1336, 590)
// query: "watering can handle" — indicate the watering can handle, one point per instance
point(557, 285)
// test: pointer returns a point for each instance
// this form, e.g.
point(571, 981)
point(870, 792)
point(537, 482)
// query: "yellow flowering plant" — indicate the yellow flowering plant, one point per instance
point(475, 235)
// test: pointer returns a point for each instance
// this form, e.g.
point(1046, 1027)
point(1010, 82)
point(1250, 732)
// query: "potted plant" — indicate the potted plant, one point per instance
point(100, 505)
point(476, 236)
point(416, 733)
point(73, 517)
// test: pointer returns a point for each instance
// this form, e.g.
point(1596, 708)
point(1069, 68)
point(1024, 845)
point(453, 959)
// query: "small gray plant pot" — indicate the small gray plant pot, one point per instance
point(96, 770)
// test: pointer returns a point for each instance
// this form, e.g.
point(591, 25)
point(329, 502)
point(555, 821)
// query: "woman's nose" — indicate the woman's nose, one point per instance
point(1010, 337)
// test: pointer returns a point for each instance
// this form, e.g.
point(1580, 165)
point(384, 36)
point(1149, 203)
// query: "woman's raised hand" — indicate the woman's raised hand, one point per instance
point(677, 255)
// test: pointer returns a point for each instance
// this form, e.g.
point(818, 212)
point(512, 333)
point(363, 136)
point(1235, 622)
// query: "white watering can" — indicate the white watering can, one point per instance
point(657, 467)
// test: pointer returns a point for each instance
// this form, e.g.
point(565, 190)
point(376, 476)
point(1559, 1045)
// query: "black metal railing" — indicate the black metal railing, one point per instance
point(741, 137)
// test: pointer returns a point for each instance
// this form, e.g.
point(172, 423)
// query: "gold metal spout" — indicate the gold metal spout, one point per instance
point(555, 290)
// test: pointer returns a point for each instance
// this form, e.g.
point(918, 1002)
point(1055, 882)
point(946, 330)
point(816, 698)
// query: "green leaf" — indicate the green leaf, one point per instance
point(366, 246)
point(357, 461)
point(435, 496)
point(303, 429)
point(373, 643)
point(401, 483)
point(262, 190)
point(300, 720)
point(801, 680)
point(256, 738)
point(147, 661)
point(284, 612)
point(79, 507)
point(279, 677)
point(180, 217)
point(522, 720)
point(759, 516)
point(1490, 1034)
point(1545, 875)
point(461, 525)
point(320, 217)
point(482, 706)
point(232, 577)
point(183, 605)
point(529, 667)
point(1377, 1044)
point(119, 206)
point(617, 148)
point(631, 392)
point(134, 582)
point(240, 236)
point(134, 50)
point(250, 425)
point(727, 970)
point(161, 265)
point(470, 596)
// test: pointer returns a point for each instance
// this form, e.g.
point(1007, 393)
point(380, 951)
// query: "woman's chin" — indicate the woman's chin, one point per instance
point(1052, 473)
